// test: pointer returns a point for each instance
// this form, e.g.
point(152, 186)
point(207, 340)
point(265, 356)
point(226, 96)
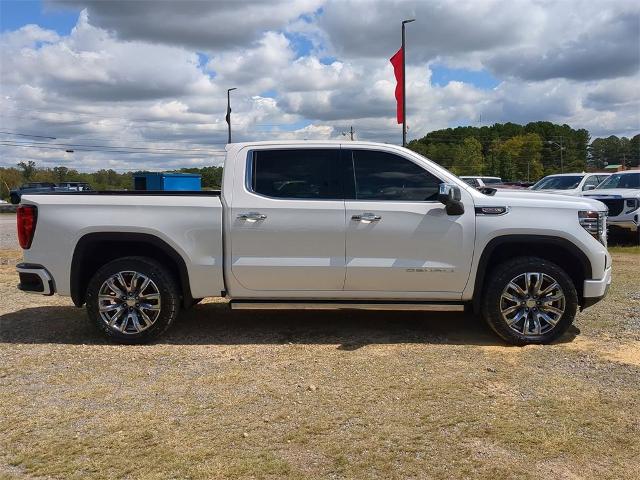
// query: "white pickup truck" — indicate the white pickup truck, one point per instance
point(320, 225)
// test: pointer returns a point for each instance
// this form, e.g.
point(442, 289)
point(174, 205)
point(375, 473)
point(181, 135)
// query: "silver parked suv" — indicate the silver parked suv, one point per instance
point(621, 194)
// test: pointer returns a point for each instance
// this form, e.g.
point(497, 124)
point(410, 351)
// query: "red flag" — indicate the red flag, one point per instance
point(397, 61)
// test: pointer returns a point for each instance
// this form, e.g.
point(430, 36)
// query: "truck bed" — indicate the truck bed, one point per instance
point(190, 223)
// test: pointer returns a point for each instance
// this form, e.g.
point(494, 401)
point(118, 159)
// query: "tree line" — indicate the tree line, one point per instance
point(24, 172)
point(524, 152)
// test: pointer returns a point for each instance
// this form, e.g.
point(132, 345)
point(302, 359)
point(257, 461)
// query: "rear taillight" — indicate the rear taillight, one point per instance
point(27, 217)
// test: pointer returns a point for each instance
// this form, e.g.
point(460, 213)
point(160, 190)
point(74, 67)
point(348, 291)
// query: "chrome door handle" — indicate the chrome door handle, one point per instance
point(367, 217)
point(252, 216)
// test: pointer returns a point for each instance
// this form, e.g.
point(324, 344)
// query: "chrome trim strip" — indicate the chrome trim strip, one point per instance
point(443, 307)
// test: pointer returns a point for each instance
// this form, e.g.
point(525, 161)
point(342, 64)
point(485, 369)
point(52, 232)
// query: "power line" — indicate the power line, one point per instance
point(103, 139)
point(142, 149)
point(26, 135)
point(80, 149)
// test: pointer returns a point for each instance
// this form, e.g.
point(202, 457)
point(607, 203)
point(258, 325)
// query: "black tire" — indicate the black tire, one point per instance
point(189, 304)
point(161, 280)
point(493, 302)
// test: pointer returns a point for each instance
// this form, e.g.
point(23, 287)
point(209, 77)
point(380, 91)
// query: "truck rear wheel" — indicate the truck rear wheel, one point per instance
point(529, 300)
point(132, 299)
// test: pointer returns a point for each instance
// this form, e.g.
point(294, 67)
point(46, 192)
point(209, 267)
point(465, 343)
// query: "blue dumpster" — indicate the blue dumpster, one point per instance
point(167, 181)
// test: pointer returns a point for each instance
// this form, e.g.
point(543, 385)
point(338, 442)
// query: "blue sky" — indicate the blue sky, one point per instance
point(441, 76)
point(17, 13)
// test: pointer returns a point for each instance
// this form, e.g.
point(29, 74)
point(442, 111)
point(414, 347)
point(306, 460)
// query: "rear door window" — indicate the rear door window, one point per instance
point(296, 174)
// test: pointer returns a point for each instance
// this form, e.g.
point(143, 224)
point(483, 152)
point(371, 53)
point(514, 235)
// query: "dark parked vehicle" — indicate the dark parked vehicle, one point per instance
point(46, 187)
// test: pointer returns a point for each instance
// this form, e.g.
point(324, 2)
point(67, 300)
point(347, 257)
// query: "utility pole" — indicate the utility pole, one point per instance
point(228, 117)
point(404, 84)
point(561, 147)
point(350, 133)
point(561, 161)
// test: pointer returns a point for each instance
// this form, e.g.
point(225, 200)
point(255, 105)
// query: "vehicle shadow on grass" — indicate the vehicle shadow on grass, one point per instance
point(216, 324)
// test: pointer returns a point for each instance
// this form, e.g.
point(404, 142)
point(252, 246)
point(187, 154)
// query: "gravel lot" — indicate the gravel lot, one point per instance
point(318, 394)
point(8, 239)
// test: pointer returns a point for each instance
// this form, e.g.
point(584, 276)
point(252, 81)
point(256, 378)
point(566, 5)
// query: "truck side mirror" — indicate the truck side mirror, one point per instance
point(589, 187)
point(449, 195)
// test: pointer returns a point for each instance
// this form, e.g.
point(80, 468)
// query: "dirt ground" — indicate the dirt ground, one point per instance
point(8, 237)
point(318, 394)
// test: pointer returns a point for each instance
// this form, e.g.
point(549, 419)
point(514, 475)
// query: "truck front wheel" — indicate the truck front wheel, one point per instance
point(132, 299)
point(529, 300)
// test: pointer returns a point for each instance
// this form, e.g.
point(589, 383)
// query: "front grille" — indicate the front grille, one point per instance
point(615, 205)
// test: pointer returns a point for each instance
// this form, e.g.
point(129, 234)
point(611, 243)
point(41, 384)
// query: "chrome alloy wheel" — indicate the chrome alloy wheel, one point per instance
point(129, 302)
point(532, 304)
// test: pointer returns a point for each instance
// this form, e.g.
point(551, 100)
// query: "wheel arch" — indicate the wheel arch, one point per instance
point(558, 250)
point(96, 249)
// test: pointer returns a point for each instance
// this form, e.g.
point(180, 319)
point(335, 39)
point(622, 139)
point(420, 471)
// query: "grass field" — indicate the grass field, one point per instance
point(319, 395)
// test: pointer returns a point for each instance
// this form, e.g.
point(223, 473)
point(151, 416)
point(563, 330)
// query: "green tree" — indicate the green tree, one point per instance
point(468, 158)
point(440, 145)
point(60, 173)
point(634, 151)
point(28, 169)
point(519, 157)
point(10, 178)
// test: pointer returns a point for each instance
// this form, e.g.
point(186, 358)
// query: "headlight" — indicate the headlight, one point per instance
point(631, 204)
point(595, 223)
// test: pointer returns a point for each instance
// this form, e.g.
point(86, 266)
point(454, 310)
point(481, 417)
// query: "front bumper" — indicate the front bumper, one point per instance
point(595, 290)
point(630, 224)
point(35, 279)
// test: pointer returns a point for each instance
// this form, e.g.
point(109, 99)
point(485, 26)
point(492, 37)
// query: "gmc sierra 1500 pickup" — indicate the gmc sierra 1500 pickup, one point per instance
point(320, 225)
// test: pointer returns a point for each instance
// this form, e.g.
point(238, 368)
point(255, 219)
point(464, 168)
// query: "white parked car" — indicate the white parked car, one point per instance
point(319, 225)
point(621, 194)
point(569, 183)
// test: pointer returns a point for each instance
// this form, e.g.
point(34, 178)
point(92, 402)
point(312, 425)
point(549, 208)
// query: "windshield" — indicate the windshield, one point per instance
point(621, 180)
point(558, 183)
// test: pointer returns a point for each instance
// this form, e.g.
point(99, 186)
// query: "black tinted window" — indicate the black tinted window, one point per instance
point(385, 176)
point(303, 173)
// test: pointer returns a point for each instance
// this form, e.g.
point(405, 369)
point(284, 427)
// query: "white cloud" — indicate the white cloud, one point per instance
point(126, 77)
point(196, 24)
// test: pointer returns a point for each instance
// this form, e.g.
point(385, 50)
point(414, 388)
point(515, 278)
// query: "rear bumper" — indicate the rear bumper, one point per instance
point(595, 290)
point(35, 279)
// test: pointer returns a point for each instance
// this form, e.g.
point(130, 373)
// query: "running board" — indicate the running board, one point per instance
point(437, 307)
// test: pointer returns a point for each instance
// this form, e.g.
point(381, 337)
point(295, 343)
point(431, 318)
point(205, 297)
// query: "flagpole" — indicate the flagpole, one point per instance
point(404, 90)
point(228, 117)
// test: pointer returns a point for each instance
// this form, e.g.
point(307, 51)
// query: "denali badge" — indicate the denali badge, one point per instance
point(491, 210)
